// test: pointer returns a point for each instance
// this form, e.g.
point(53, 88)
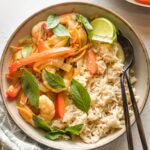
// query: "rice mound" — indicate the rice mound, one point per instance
point(105, 115)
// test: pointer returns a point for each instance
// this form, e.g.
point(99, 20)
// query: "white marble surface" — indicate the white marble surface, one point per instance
point(13, 12)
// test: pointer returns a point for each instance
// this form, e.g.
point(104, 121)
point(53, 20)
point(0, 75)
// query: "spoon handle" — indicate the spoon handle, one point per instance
point(137, 114)
point(126, 113)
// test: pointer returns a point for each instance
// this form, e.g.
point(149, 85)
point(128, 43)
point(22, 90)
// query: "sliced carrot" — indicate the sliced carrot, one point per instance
point(42, 47)
point(144, 1)
point(52, 53)
point(91, 64)
point(59, 106)
point(13, 91)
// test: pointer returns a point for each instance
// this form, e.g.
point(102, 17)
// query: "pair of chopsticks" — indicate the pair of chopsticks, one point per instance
point(136, 113)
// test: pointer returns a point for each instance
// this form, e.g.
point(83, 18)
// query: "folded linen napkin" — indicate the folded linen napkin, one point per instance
point(11, 137)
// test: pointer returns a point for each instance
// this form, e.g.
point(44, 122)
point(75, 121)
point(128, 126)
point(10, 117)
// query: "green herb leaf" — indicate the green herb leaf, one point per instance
point(54, 80)
point(61, 30)
point(80, 96)
point(54, 135)
point(74, 130)
point(52, 21)
point(26, 51)
point(71, 130)
point(30, 87)
point(84, 21)
point(40, 123)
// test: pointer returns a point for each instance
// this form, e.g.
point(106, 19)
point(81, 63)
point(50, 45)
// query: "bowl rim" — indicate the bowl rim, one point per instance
point(64, 4)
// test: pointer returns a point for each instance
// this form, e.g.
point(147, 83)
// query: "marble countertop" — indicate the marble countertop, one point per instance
point(12, 13)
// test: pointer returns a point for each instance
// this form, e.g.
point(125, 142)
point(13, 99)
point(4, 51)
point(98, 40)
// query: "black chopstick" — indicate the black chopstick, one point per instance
point(126, 113)
point(137, 114)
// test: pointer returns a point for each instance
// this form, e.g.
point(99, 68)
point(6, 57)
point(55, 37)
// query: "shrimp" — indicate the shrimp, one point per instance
point(50, 88)
point(46, 108)
point(40, 33)
point(52, 70)
point(36, 32)
point(42, 87)
point(56, 41)
point(77, 32)
point(27, 114)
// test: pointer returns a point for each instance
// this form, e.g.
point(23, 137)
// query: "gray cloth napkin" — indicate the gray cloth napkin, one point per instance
point(11, 137)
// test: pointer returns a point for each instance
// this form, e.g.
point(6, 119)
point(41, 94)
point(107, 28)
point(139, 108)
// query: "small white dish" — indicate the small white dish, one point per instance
point(139, 4)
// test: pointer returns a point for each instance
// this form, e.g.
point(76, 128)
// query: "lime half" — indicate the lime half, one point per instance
point(103, 30)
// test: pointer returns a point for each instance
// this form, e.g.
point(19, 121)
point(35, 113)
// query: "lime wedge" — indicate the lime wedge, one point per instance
point(114, 39)
point(103, 30)
point(102, 39)
point(120, 53)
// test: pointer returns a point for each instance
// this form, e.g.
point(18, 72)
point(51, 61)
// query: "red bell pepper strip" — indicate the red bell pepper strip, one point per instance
point(55, 52)
point(12, 91)
point(13, 75)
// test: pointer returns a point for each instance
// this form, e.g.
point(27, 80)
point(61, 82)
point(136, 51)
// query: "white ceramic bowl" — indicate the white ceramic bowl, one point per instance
point(142, 69)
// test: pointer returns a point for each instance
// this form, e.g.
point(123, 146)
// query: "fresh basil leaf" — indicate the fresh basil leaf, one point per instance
point(71, 130)
point(40, 123)
point(84, 21)
point(54, 80)
point(52, 21)
point(30, 87)
point(26, 51)
point(61, 30)
point(54, 135)
point(80, 96)
point(74, 130)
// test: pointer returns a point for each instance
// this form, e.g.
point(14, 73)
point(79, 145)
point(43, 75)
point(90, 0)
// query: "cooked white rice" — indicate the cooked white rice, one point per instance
point(106, 113)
